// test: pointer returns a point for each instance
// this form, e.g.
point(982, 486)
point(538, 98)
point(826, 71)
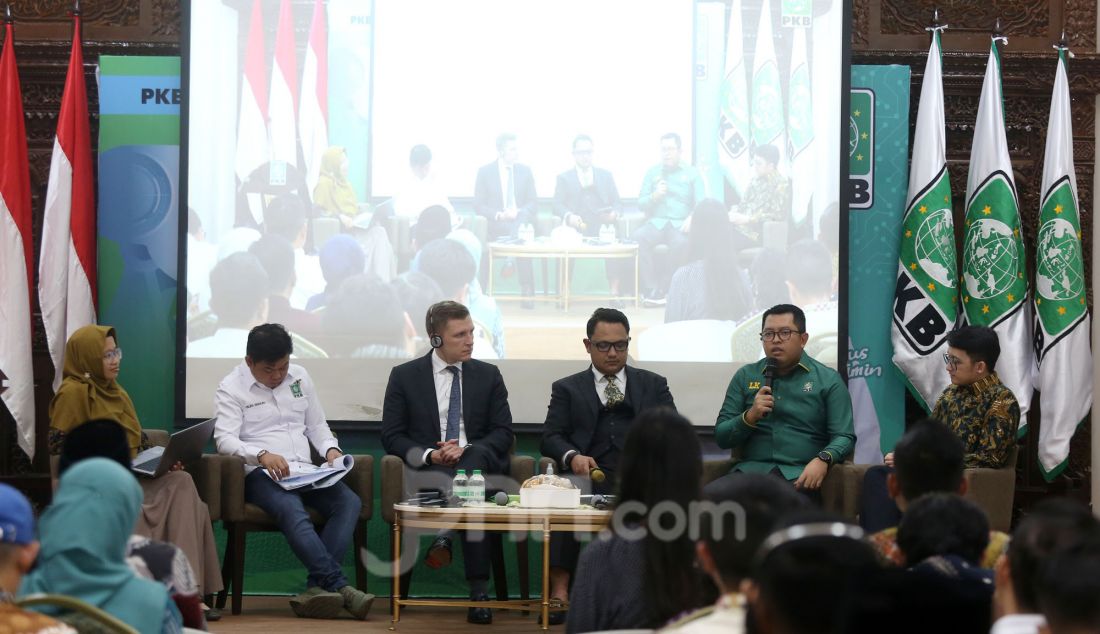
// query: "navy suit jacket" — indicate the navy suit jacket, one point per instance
point(489, 198)
point(570, 198)
point(410, 412)
point(575, 408)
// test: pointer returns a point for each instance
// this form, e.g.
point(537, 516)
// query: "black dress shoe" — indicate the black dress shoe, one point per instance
point(555, 618)
point(439, 553)
point(479, 616)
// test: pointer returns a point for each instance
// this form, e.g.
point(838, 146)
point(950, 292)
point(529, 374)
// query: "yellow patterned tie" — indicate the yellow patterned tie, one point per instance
point(612, 392)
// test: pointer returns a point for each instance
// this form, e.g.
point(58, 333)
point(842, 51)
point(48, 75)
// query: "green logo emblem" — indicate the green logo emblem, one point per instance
point(1057, 277)
point(861, 149)
point(935, 247)
point(796, 13)
point(992, 260)
point(296, 388)
point(767, 105)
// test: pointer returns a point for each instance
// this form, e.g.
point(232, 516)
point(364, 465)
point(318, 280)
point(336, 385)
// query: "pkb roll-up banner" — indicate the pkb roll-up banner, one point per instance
point(139, 132)
point(878, 157)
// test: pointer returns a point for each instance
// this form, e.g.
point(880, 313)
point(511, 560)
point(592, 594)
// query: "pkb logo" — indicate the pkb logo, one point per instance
point(161, 96)
point(861, 149)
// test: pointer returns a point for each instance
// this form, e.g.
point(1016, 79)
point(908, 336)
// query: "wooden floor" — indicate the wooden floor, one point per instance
point(265, 614)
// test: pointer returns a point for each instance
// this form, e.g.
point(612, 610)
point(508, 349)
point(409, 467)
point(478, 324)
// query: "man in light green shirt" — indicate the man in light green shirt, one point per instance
point(669, 194)
point(798, 427)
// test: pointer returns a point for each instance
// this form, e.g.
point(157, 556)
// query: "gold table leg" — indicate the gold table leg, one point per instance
point(396, 573)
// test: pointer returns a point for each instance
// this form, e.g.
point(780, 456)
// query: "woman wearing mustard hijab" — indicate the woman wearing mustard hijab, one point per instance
point(172, 510)
point(334, 192)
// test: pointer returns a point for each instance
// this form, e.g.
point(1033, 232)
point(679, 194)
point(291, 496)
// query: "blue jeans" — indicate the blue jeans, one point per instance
point(321, 554)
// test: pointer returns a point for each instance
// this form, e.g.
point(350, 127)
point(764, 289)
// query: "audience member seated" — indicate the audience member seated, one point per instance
point(581, 437)
point(276, 255)
point(159, 561)
point(201, 257)
point(84, 533)
point(1068, 587)
point(795, 424)
point(18, 550)
point(451, 266)
point(927, 459)
point(981, 411)
point(422, 189)
point(768, 197)
point(417, 292)
point(334, 193)
point(364, 320)
point(433, 223)
point(269, 415)
point(286, 216)
point(943, 534)
point(640, 572)
point(802, 575)
point(238, 297)
point(1051, 527)
point(446, 411)
point(712, 286)
point(341, 257)
point(483, 308)
point(172, 510)
point(669, 194)
point(753, 505)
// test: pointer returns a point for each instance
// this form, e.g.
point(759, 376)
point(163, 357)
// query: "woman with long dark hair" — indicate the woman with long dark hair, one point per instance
point(710, 286)
point(640, 571)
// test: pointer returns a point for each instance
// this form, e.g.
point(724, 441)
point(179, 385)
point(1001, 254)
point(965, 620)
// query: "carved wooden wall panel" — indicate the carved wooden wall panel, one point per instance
point(893, 32)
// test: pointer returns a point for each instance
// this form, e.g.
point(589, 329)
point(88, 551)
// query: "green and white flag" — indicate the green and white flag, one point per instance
point(926, 297)
point(994, 264)
point(733, 109)
point(1062, 325)
point(800, 129)
point(767, 93)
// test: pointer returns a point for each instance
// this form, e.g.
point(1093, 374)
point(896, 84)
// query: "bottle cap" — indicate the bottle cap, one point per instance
point(477, 471)
point(460, 472)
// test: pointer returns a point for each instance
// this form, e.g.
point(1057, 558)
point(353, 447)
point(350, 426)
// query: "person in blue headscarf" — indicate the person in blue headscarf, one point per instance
point(84, 535)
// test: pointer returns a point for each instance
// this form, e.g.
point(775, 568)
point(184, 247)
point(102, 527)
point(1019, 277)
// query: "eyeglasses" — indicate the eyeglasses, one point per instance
point(952, 362)
point(604, 346)
point(113, 355)
point(784, 334)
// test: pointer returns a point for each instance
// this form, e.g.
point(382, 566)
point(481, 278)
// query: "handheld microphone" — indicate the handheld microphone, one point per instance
point(769, 375)
point(501, 498)
point(596, 474)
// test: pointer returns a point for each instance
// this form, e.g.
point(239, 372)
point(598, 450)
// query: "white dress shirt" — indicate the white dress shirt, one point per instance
point(504, 171)
point(444, 381)
point(225, 343)
point(1018, 624)
point(284, 420)
point(585, 176)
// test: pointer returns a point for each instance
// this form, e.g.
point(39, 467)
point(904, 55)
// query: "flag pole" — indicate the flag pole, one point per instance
point(8, 19)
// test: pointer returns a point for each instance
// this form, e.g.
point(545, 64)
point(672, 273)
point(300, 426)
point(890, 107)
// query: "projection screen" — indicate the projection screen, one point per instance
point(317, 133)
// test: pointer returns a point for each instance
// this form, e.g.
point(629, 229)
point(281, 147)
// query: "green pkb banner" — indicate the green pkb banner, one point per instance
point(878, 177)
point(797, 13)
point(138, 224)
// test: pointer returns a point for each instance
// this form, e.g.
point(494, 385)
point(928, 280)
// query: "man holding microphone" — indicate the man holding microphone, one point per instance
point(790, 415)
point(669, 194)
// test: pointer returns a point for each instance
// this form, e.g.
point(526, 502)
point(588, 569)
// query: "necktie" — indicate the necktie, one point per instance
point(454, 407)
point(510, 203)
point(612, 392)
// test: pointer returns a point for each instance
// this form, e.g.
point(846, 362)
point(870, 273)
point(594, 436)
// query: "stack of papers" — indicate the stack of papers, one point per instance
point(308, 476)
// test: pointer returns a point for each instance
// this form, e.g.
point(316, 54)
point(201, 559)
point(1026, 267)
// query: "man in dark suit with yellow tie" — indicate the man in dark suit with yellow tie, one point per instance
point(446, 411)
point(586, 198)
point(587, 421)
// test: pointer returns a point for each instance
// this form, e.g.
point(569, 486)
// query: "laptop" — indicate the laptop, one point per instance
point(185, 446)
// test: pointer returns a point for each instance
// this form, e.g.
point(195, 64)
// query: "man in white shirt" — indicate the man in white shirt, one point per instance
point(269, 415)
point(1052, 526)
point(466, 424)
point(422, 189)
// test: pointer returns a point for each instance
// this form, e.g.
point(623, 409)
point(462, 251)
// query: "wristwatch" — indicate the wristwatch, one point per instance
point(825, 457)
point(260, 454)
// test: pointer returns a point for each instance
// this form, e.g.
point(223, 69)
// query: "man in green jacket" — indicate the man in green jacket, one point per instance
point(799, 426)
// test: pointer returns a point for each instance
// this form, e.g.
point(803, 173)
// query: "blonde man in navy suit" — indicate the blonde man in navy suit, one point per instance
point(587, 421)
point(447, 411)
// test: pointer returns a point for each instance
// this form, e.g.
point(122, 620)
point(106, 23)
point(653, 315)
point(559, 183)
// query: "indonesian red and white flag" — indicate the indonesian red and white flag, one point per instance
point(252, 146)
point(67, 265)
point(16, 254)
point(282, 118)
point(313, 106)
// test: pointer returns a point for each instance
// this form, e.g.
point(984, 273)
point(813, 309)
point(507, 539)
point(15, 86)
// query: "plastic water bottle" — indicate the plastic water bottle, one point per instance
point(527, 232)
point(460, 487)
point(607, 233)
point(475, 490)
